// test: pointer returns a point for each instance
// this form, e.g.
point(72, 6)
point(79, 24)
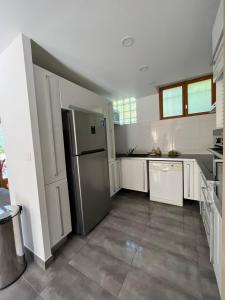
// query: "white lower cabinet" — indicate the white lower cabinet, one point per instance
point(58, 210)
point(217, 246)
point(114, 177)
point(134, 174)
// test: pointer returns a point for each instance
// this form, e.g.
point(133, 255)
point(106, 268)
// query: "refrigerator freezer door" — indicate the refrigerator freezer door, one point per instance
point(90, 131)
point(92, 190)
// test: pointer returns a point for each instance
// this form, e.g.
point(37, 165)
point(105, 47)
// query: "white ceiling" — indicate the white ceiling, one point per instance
point(172, 37)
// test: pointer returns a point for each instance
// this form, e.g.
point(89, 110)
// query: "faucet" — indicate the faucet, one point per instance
point(131, 150)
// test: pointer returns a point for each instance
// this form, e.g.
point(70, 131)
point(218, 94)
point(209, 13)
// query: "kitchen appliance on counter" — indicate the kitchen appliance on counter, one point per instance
point(87, 168)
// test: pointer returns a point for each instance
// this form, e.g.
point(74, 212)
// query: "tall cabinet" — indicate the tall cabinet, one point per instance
point(218, 78)
point(114, 164)
point(53, 156)
point(218, 63)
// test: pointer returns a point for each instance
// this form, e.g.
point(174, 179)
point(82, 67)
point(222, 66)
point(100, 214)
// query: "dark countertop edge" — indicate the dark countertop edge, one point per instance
point(204, 161)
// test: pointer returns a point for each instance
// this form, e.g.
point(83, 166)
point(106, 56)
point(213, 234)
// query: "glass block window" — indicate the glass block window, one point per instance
point(187, 98)
point(125, 109)
point(199, 96)
point(173, 102)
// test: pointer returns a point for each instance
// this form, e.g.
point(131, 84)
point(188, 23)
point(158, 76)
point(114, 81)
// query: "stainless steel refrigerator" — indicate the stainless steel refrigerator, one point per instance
point(87, 168)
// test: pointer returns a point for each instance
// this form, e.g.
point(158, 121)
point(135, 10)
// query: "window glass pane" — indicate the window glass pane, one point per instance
point(172, 102)
point(133, 106)
point(199, 96)
point(126, 109)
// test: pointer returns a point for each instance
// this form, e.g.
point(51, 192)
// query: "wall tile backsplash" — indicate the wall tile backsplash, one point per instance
point(186, 135)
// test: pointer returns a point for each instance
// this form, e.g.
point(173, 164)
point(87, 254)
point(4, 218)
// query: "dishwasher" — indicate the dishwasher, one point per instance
point(166, 182)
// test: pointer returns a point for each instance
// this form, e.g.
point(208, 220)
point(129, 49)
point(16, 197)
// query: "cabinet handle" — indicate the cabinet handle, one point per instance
point(52, 125)
point(189, 183)
point(114, 178)
point(211, 240)
point(144, 184)
point(60, 211)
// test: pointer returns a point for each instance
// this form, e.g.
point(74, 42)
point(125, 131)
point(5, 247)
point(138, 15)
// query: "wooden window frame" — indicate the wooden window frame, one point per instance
point(184, 85)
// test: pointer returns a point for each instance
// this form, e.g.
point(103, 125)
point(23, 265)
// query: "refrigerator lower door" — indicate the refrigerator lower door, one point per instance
point(92, 190)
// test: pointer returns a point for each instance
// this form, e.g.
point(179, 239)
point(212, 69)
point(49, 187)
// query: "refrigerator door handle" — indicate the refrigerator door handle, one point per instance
point(92, 151)
point(72, 134)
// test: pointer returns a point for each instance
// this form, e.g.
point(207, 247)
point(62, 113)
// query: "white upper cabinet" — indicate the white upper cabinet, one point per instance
point(217, 43)
point(219, 103)
point(110, 134)
point(50, 125)
point(134, 174)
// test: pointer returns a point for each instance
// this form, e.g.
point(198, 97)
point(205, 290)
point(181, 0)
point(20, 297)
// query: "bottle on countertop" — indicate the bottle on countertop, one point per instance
point(158, 151)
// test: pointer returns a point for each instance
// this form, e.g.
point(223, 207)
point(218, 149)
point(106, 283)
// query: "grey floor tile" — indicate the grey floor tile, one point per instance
point(131, 214)
point(192, 223)
point(71, 246)
point(142, 250)
point(209, 286)
point(176, 243)
point(204, 258)
point(132, 228)
point(39, 278)
point(201, 240)
point(166, 223)
point(70, 284)
point(140, 286)
point(132, 203)
point(169, 211)
point(20, 290)
point(177, 271)
point(108, 271)
point(115, 242)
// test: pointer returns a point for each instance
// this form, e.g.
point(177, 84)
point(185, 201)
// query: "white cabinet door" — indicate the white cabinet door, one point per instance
point(196, 182)
point(114, 177)
point(134, 174)
point(110, 134)
point(118, 185)
point(188, 179)
point(218, 42)
point(50, 125)
point(58, 210)
point(217, 251)
point(218, 26)
point(219, 103)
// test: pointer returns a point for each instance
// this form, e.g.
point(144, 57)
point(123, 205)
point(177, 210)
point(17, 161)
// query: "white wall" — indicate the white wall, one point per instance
point(72, 94)
point(21, 134)
point(187, 135)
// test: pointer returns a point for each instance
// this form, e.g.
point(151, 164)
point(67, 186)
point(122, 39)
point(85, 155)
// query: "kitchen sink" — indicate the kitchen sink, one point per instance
point(138, 154)
point(132, 154)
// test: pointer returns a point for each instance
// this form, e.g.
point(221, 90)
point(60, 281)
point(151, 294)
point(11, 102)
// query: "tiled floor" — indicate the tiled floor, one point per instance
point(140, 251)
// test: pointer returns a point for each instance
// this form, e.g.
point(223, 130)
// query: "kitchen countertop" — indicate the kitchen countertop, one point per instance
point(205, 161)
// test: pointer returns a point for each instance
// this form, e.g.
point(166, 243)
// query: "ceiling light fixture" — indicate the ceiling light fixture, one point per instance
point(127, 41)
point(143, 68)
